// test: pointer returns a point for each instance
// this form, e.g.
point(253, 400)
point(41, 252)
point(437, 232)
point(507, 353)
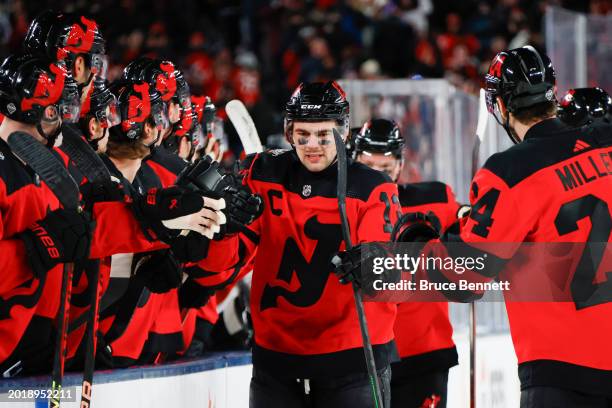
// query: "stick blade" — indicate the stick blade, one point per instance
point(245, 127)
point(483, 115)
point(47, 166)
point(84, 157)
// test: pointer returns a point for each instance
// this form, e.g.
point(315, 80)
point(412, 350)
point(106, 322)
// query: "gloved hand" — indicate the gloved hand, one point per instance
point(416, 227)
point(169, 203)
point(101, 192)
point(192, 247)
point(192, 294)
point(62, 236)
point(242, 207)
point(356, 265)
point(160, 272)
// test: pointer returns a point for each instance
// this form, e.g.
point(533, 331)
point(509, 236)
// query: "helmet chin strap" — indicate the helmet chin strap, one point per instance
point(152, 144)
point(94, 142)
point(506, 125)
point(51, 138)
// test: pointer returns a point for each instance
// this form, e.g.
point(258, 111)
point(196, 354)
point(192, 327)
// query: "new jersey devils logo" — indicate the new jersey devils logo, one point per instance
point(79, 40)
point(166, 83)
point(312, 275)
point(496, 66)
point(48, 90)
point(138, 108)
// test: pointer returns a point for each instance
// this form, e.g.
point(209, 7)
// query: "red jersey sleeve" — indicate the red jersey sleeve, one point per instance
point(117, 231)
point(377, 217)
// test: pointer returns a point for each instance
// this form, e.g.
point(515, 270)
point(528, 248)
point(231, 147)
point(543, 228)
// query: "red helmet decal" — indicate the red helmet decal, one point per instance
point(339, 89)
point(79, 40)
point(199, 102)
point(166, 83)
point(186, 122)
point(48, 91)
point(568, 98)
point(139, 109)
point(496, 65)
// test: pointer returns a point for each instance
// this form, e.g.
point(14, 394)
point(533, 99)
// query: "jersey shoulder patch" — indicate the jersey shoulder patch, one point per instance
point(414, 194)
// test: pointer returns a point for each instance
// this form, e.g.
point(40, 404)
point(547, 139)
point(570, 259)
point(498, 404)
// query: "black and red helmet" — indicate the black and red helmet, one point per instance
point(63, 37)
point(29, 84)
point(206, 111)
point(318, 101)
point(162, 75)
point(379, 136)
point(582, 106)
point(102, 105)
point(522, 77)
point(138, 104)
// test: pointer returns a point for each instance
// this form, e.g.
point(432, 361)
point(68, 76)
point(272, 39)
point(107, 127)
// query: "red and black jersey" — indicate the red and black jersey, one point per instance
point(167, 165)
point(28, 306)
point(197, 322)
point(555, 186)
point(136, 323)
point(304, 320)
point(423, 331)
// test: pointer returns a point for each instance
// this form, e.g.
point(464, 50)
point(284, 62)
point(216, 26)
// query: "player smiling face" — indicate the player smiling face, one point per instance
point(314, 144)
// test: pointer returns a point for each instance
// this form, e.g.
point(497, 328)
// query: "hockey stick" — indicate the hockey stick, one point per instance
point(346, 234)
point(93, 168)
point(483, 116)
point(243, 123)
point(50, 169)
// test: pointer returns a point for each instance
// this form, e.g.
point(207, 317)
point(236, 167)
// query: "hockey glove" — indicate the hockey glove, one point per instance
point(101, 192)
point(193, 295)
point(416, 227)
point(169, 203)
point(192, 247)
point(356, 265)
point(242, 207)
point(161, 272)
point(62, 236)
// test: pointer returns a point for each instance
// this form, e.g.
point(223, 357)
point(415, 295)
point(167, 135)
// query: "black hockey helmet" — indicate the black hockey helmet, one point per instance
point(581, 106)
point(102, 104)
point(139, 103)
point(206, 111)
point(317, 101)
point(163, 75)
point(522, 77)
point(63, 37)
point(29, 84)
point(379, 136)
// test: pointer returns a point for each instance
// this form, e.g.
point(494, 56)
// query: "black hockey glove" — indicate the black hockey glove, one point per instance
point(62, 236)
point(356, 265)
point(192, 294)
point(192, 247)
point(161, 272)
point(416, 227)
point(101, 192)
point(241, 207)
point(169, 203)
point(206, 176)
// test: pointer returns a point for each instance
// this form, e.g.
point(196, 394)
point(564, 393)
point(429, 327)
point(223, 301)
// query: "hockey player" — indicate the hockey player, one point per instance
point(582, 106)
point(129, 330)
point(422, 329)
point(73, 39)
point(307, 348)
point(32, 98)
point(529, 193)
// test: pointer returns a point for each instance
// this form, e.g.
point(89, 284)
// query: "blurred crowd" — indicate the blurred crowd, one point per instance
point(258, 51)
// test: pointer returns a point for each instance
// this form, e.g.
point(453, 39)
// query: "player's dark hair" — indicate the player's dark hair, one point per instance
point(536, 113)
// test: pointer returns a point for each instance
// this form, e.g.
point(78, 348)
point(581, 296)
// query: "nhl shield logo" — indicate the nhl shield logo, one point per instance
point(11, 108)
point(306, 190)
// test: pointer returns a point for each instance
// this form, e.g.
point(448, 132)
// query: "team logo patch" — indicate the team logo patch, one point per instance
point(549, 95)
point(306, 190)
point(277, 152)
point(11, 108)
